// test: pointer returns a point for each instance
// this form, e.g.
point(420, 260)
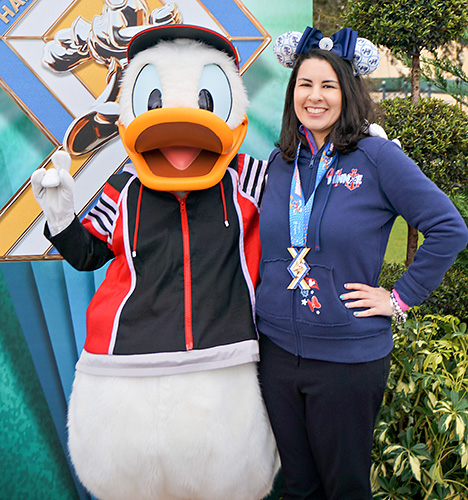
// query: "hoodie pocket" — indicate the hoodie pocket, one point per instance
point(320, 305)
point(273, 299)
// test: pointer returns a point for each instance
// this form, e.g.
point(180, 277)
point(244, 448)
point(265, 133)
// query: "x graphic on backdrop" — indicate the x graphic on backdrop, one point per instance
point(61, 65)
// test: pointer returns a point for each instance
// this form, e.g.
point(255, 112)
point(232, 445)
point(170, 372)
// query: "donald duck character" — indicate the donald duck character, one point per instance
point(165, 403)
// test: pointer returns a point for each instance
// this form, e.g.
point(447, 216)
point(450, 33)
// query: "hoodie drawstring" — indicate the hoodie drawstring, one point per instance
point(319, 221)
point(226, 222)
point(137, 222)
point(324, 206)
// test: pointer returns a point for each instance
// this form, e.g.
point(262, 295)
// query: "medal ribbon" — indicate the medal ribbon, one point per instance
point(299, 213)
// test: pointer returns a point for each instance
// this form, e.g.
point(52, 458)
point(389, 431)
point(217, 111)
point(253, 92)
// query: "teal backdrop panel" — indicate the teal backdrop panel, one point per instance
point(17, 134)
point(33, 454)
point(55, 301)
point(32, 460)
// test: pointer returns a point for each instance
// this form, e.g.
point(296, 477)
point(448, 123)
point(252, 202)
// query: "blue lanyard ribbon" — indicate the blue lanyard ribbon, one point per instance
point(300, 212)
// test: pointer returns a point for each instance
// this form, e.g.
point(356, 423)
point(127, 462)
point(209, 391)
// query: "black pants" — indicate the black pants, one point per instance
point(323, 416)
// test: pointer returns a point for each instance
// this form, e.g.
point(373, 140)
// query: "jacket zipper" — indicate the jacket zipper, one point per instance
point(187, 275)
point(294, 323)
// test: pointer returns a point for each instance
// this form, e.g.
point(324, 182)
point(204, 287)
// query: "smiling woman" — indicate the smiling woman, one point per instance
point(330, 203)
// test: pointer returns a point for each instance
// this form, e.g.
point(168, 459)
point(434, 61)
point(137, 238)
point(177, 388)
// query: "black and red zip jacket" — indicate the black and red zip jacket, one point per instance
point(179, 293)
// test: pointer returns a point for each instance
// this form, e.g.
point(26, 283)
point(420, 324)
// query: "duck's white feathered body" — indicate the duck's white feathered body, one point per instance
point(196, 436)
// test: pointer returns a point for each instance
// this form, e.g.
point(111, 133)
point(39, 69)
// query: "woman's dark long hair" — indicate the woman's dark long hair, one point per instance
point(357, 107)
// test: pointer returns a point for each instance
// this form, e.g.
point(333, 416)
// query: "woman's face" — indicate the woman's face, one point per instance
point(317, 98)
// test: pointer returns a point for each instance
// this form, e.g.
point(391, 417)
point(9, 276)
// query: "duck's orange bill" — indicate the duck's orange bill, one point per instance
point(181, 149)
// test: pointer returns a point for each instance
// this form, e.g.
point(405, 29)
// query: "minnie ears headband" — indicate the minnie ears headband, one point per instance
point(362, 53)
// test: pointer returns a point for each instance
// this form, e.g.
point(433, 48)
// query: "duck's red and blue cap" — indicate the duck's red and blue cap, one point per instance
point(152, 36)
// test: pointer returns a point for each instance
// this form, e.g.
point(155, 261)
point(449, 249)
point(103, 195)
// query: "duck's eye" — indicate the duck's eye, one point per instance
point(155, 99)
point(147, 92)
point(215, 91)
point(205, 100)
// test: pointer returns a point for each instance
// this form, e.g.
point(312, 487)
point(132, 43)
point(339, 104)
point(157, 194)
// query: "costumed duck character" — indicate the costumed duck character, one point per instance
point(166, 403)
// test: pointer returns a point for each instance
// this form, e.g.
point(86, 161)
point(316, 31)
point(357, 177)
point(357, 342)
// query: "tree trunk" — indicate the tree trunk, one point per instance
point(416, 77)
point(412, 241)
point(411, 245)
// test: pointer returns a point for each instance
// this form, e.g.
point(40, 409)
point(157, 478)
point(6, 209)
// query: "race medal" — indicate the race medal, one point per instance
point(299, 216)
point(298, 268)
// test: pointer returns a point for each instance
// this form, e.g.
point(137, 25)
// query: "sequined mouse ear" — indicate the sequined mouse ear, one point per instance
point(285, 48)
point(366, 57)
point(345, 43)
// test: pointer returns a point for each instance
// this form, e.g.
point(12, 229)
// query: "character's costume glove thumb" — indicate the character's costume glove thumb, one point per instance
point(54, 191)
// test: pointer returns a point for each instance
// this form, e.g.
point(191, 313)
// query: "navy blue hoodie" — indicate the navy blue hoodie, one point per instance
point(355, 206)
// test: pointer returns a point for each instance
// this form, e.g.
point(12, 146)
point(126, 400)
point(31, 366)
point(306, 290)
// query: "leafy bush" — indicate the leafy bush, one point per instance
point(460, 200)
point(391, 272)
point(434, 134)
point(407, 25)
point(450, 298)
point(421, 437)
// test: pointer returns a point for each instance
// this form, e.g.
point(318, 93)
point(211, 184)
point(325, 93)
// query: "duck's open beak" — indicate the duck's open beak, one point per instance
point(181, 149)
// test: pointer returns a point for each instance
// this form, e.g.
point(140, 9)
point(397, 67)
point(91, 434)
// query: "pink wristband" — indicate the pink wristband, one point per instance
point(402, 305)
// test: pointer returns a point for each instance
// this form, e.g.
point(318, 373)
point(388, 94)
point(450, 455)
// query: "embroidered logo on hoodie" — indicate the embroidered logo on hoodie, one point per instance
point(350, 180)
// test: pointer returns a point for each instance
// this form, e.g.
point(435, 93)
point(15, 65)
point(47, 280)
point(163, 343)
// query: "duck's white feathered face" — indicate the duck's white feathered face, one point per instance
point(182, 117)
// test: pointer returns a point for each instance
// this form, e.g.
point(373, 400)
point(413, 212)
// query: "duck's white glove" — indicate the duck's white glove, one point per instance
point(375, 130)
point(54, 191)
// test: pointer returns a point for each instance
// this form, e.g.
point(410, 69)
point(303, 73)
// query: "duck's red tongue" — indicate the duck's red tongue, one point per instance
point(180, 157)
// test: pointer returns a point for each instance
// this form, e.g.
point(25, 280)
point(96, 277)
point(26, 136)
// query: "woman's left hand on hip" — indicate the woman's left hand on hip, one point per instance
point(375, 300)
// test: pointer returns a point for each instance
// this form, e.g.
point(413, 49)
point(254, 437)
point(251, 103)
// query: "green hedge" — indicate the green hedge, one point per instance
point(434, 134)
point(421, 437)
